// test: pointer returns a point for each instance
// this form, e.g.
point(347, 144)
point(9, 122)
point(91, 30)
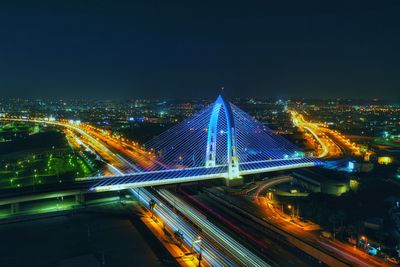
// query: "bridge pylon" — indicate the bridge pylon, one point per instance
point(231, 141)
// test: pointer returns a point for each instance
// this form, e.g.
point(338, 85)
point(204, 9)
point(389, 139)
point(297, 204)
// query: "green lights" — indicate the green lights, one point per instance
point(34, 169)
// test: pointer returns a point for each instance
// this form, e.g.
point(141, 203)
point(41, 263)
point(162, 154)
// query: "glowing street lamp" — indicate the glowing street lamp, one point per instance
point(365, 239)
point(291, 208)
point(198, 241)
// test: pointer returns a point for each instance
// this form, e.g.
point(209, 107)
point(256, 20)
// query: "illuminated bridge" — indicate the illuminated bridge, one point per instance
point(220, 141)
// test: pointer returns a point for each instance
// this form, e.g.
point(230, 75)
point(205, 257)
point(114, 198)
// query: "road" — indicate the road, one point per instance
point(240, 252)
point(265, 242)
point(261, 206)
point(116, 156)
point(328, 143)
point(210, 252)
point(213, 255)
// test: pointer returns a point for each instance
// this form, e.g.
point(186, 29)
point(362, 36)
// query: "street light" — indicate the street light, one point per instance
point(198, 241)
point(365, 239)
point(291, 208)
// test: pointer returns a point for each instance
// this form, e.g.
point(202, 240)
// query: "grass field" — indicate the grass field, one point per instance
point(33, 155)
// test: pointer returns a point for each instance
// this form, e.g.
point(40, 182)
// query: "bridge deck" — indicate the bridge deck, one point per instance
point(164, 177)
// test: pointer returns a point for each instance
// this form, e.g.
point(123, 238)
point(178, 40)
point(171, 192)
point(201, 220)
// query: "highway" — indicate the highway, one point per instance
point(328, 143)
point(211, 254)
point(240, 252)
point(261, 207)
point(266, 243)
point(325, 148)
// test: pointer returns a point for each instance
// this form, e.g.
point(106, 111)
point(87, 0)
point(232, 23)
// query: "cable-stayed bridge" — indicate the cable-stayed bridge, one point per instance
point(220, 141)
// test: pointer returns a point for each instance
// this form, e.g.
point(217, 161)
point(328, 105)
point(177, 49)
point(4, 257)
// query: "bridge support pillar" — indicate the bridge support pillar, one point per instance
point(14, 208)
point(234, 182)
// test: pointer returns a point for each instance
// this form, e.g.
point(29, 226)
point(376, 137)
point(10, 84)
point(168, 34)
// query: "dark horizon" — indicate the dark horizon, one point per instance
point(343, 49)
point(354, 101)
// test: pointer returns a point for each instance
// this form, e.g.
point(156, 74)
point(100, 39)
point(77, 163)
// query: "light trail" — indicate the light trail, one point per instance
point(210, 253)
point(227, 222)
point(335, 247)
point(346, 255)
point(324, 147)
point(329, 148)
point(245, 256)
point(333, 143)
point(272, 182)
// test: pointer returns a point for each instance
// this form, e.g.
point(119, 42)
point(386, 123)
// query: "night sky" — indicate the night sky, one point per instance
point(127, 49)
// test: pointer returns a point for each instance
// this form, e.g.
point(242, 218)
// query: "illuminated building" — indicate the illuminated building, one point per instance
point(385, 160)
point(320, 180)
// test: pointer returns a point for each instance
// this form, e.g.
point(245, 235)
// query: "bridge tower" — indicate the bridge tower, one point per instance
point(211, 152)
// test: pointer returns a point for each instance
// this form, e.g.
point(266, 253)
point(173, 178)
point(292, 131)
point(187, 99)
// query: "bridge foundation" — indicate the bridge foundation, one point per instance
point(234, 182)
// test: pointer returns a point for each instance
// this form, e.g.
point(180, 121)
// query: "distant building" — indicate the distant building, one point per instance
point(357, 166)
point(388, 156)
point(385, 160)
point(321, 180)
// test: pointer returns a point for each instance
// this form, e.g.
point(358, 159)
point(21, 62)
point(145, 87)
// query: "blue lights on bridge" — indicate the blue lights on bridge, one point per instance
point(220, 141)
